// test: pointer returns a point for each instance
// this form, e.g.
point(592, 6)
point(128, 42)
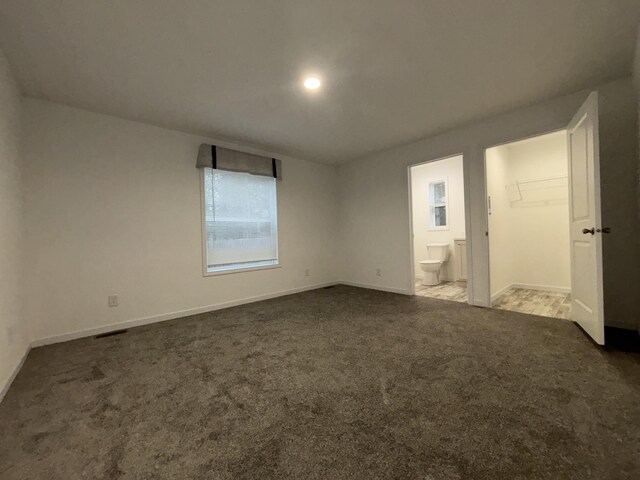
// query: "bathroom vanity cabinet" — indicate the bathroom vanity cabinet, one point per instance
point(460, 251)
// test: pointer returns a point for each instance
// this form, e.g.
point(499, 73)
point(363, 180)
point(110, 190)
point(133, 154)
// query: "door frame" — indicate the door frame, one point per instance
point(465, 187)
point(486, 196)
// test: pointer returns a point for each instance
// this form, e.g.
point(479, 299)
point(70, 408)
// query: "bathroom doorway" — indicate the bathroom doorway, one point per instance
point(528, 226)
point(439, 245)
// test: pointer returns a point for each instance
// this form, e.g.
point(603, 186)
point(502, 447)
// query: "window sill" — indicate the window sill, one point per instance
point(239, 270)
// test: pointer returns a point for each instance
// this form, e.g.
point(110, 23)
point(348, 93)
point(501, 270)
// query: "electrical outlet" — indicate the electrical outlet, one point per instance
point(378, 272)
point(306, 272)
point(113, 300)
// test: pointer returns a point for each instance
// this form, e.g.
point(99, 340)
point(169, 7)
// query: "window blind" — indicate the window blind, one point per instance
point(241, 220)
point(210, 156)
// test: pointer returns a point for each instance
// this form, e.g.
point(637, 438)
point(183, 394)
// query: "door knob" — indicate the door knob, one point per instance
point(591, 230)
point(604, 230)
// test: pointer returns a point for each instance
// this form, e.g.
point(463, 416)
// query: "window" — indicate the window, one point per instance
point(241, 224)
point(438, 205)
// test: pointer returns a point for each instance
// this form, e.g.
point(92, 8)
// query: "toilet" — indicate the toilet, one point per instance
point(438, 253)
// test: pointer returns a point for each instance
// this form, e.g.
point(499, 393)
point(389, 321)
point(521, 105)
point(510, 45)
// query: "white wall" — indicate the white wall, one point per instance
point(14, 339)
point(450, 170)
point(529, 239)
point(113, 207)
point(374, 217)
point(501, 249)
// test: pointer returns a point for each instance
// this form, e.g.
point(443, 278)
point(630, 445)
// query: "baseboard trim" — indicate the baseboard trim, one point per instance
point(442, 279)
point(14, 374)
point(500, 292)
point(382, 288)
point(137, 322)
point(542, 288)
point(621, 326)
point(530, 286)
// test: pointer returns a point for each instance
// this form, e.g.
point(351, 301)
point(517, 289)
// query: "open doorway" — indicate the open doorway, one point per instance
point(439, 243)
point(529, 229)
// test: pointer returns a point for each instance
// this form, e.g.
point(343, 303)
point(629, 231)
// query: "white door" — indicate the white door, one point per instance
point(584, 218)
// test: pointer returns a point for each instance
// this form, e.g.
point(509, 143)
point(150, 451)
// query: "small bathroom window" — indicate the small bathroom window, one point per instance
point(438, 205)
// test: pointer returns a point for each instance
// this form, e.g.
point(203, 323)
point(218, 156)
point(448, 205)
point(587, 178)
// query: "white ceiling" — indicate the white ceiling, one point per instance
point(393, 70)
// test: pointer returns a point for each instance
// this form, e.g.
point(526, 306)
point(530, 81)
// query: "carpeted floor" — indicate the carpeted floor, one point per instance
point(330, 384)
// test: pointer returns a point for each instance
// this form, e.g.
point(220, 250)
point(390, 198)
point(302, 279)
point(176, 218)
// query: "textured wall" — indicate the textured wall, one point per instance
point(373, 193)
point(114, 208)
point(13, 331)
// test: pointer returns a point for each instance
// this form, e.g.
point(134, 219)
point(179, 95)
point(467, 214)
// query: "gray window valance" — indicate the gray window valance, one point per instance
point(234, 161)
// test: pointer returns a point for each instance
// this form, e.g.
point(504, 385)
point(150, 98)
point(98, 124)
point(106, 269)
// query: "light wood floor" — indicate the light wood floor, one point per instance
point(455, 291)
point(546, 304)
point(536, 302)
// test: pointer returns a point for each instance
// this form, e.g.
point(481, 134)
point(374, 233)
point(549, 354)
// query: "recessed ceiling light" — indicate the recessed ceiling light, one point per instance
point(312, 83)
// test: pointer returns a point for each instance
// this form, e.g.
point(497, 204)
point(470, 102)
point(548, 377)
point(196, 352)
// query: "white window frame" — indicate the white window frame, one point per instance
point(203, 238)
point(432, 207)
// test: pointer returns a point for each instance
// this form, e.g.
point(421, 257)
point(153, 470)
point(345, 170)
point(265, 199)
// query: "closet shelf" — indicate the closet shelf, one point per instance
point(541, 191)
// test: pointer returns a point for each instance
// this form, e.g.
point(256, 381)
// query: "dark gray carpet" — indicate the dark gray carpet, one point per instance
point(330, 384)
